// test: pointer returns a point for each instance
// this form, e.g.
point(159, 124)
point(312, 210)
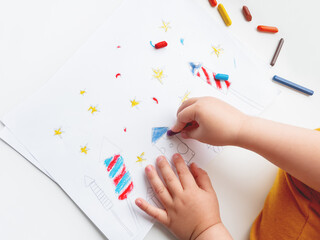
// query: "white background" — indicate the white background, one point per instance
point(38, 36)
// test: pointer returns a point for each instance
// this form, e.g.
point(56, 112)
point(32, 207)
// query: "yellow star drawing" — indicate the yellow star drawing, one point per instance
point(140, 158)
point(165, 25)
point(82, 92)
point(84, 149)
point(57, 132)
point(185, 97)
point(158, 74)
point(217, 50)
point(93, 109)
point(134, 103)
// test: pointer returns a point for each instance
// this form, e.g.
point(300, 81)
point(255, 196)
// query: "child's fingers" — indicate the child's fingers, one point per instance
point(158, 186)
point(183, 171)
point(186, 104)
point(185, 116)
point(201, 177)
point(157, 213)
point(171, 180)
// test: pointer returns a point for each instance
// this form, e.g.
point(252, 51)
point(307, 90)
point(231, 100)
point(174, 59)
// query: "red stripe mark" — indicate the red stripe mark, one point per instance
point(198, 74)
point(113, 162)
point(118, 46)
point(118, 75)
point(125, 130)
point(227, 83)
point(207, 75)
point(118, 178)
point(218, 82)
point(156, 100)
point(128, 190)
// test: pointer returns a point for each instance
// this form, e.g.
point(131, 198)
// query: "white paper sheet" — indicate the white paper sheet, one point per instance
point(87, 112)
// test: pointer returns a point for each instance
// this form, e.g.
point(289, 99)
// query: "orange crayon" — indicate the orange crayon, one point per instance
point(268, 29)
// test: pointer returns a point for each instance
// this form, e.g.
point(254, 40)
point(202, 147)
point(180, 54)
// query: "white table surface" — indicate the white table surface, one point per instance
point(38, 36)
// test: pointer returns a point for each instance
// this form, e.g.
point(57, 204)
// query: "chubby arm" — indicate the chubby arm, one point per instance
point(295, 150)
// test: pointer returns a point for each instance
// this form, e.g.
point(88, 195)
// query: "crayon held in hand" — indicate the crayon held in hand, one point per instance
point(171, 133)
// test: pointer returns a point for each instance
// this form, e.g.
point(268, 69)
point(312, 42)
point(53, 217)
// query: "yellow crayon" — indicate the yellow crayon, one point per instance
point(224, 15)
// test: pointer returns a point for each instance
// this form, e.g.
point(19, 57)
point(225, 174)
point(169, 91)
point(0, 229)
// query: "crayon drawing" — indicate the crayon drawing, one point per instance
point(92, 109)
point(209, 77)
point(58, 132)
point(104, 200)
point(158, 74)
point(83, 92)
point(118, 75)
point(217, 50)
point(185, 96)
point(151, 198)
point(170, 145)
point(141, 158)
point(134, 103)
point(165, 26)
point(84, 150)
point(120, 176)
point(156, 100)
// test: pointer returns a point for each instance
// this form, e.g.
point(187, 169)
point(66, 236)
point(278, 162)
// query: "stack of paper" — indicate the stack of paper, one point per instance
point(103, 116)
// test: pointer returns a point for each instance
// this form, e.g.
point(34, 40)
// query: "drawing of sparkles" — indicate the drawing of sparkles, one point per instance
point(134, 103)
point(158, 74)
point(140, 158)
point(185, 96)
point(104, 200)
point(93, 109)
point(58, 132)
point(217, 50)
point(165, 26)
point(84, 149)
point(83, 92)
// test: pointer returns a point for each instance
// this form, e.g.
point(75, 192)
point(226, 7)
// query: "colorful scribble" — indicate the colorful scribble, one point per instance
point(158, 132)
point(156, 100)
point(217, 50)
point(158, 74)
point(120, 176)
point(185, 96)
point(134, 103)
point(141, 158)
point(165, 26)
point(58, 132)
point(83, 92)
point(84, 150)
point(209, 76)
point(93, 109)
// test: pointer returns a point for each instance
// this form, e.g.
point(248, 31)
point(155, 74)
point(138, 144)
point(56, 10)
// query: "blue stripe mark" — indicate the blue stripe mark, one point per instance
point(158, 132)
point(107, 161)
point(116, 167)
point(124, 181)
point(194, 67)
point(151, 44)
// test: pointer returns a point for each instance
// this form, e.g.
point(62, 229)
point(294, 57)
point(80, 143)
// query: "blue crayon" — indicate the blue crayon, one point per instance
point(292, 85)
point(222, 77)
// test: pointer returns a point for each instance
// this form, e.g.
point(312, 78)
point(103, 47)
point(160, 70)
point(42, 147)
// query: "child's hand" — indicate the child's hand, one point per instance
point(219, 123)
point(191, 205)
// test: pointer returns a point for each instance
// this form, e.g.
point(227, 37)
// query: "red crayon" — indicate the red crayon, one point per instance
point(246, 13)
point(161, 45)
